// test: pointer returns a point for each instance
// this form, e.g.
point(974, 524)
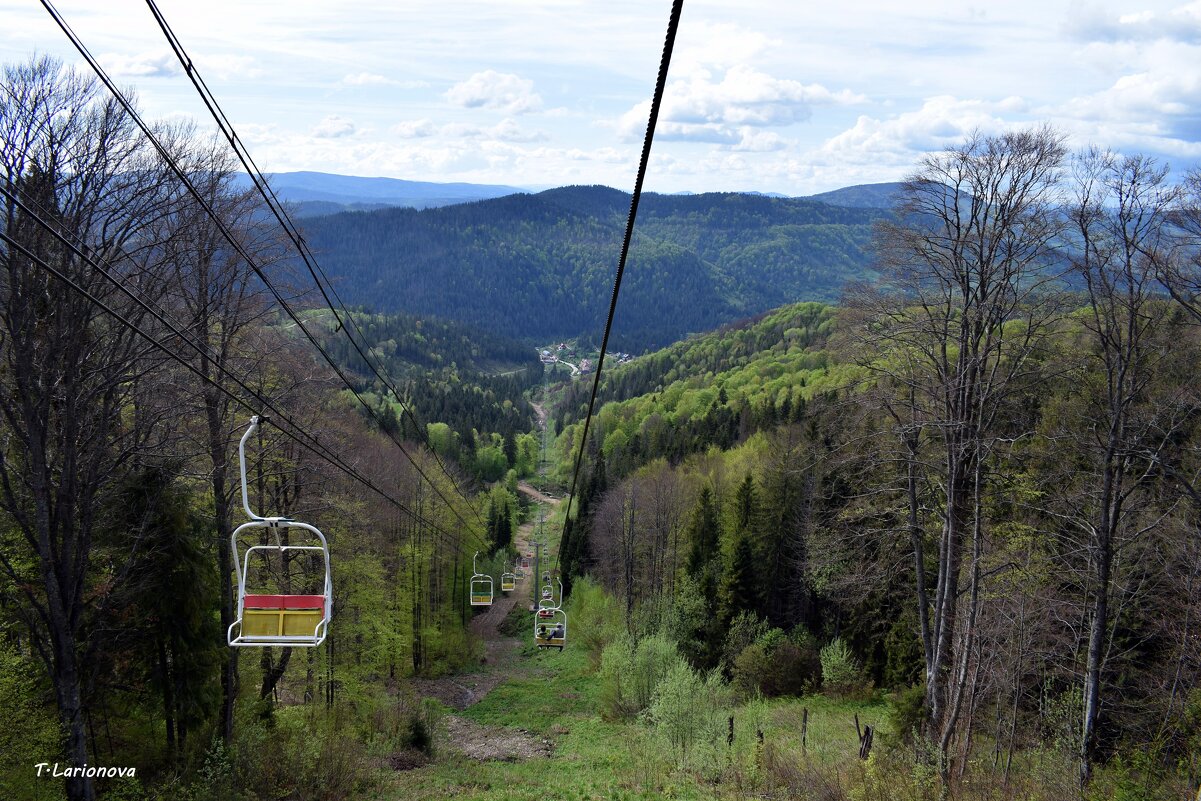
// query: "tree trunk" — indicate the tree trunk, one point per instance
point(168, 696)
point(217, 453)
point(70, 705)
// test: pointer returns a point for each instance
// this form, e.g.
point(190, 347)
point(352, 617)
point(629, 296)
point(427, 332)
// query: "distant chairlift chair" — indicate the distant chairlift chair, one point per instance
point(481, 585)
point(265, 620)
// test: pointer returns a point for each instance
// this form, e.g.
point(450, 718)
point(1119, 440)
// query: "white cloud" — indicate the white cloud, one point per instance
point(334, 127)
point(752, 141)
point(507, 130)
point(496, 90)
point(414, 129)
point(226, 66)
point(941, 122)
point(1181, 24)
point(701, 110)
point(1142, 94)
point(155, 64)
point(702, 45)
point(373, 79)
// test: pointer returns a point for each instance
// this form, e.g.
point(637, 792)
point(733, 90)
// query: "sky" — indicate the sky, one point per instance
point(774, 96)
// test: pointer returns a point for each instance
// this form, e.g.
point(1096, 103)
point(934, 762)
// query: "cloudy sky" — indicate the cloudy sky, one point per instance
point(767, 95)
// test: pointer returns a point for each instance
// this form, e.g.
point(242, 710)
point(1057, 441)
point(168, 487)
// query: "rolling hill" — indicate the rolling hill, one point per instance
point(541, 266)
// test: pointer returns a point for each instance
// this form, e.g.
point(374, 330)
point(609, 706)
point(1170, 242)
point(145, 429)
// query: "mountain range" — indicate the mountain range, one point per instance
point(540, 267)
point(317, 193)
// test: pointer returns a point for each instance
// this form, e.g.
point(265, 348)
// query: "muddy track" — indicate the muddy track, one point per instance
point(530, 490)
point(500, 651)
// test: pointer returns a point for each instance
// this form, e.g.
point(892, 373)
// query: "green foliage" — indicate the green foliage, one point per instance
point(595, 618)
point(303, 755)
point(703, 536)
point(172, 591)
point(745, 629)
point(455, 379)
point(669, 403)
point(740, 584)
point(631, 671)
point(490, 463)
point(1137, 775)
point(688, 714)
point(908, 712)
point(31, 732)
point(685, 615)
point(776, 665)
point(841, 674)
point(442, 439)
point(904, 658)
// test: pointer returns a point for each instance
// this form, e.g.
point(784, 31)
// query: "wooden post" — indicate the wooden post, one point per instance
point(865, 739)
point(804, 728)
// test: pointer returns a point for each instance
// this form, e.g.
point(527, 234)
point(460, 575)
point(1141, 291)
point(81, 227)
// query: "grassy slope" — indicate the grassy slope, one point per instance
point(555, 696)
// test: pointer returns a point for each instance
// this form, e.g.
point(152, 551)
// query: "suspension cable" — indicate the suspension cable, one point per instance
point(344, 319)
point(673, 24)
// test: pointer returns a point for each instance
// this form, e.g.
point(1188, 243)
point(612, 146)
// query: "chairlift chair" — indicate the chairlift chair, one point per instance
point(547, 601)
point(481, 586)
point(508, 581)
point(268, 619)
point(550, 623)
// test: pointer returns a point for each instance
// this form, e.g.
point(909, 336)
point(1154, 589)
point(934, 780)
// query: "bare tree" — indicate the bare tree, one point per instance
point(218, 301)
point(1178, 268)
point(1119, 222)
point(69, 369)
point(965, 267)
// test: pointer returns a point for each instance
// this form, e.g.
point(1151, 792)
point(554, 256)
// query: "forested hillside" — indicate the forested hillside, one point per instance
point(315, 193)
point(541, 266)
point(435, 372)
point(974, 486)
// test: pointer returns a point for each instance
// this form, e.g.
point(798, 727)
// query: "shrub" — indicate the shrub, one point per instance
point(595, 617)
point(908, 712)
point(30, 734)
point(688, 714)
point(840, 670)
point(631, 672)
point(745, 629)
point(776, 666)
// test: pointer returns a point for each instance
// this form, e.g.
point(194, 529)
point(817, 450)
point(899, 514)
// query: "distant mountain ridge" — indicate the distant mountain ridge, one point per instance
point(540, 266)
point(315, 193)
point(866, 196)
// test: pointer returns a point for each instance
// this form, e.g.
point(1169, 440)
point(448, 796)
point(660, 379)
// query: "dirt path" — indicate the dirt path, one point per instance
point(495, 742)
point(529, 489)
point(540, 411)
point(500, 652)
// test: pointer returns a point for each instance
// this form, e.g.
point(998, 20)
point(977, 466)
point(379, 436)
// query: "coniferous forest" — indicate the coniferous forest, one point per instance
point(931, 530)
